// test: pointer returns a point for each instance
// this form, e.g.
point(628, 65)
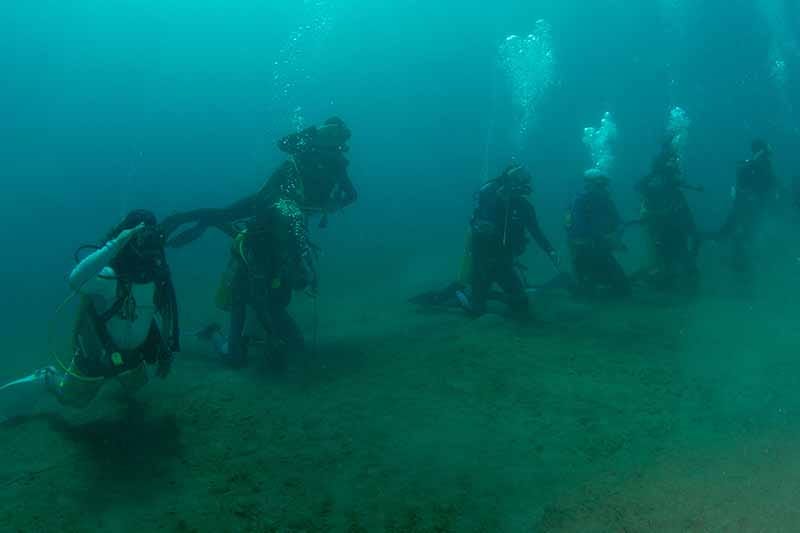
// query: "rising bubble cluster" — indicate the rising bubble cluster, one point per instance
point(528, 65)
point(296, 61)
point(600, 142)
point(678, 129)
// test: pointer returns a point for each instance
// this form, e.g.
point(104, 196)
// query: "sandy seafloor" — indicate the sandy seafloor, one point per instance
point(660, 414)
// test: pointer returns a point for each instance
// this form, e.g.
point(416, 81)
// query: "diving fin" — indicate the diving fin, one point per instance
point(37, 376)
point(19, 396)
point(562, 280)
point(446, 297)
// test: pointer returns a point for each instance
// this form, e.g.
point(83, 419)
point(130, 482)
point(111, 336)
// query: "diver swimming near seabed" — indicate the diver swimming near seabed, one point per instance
point(127, 321)
point(314, 176)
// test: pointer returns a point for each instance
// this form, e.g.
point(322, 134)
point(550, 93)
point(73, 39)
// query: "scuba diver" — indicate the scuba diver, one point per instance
point(594, 232)
point(756, 187)
point(671, 232)
point(314, 176)
point(271, 257)
point(128, 317)
point(502, 217)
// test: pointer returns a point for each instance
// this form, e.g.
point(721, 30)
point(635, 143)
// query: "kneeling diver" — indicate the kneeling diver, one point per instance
point(128, 317)
point(502, 219)
point(594, 230)
point(270, 259)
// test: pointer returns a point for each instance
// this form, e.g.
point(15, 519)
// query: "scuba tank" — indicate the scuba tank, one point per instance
point(223, 298)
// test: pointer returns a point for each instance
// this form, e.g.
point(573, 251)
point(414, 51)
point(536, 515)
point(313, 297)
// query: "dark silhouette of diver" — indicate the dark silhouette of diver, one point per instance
point(672, 236)
point(756, 189)
point(314, 177)
point(594, 231)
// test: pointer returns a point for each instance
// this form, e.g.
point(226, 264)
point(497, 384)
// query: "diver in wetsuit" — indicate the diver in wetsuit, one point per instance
point(756, 187)
point(594, 231)
point(128, 317)
point(671, 232)
point(270, 258)
point(314, 176)
point(503, 216)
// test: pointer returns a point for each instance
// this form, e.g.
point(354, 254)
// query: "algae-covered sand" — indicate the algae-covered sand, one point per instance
point(660, 414)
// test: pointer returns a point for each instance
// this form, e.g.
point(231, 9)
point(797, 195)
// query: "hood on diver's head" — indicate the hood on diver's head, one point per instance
point(330, 137)
point(517, 179)
point(143, 259)
point(132, 220)
point(297, 143)
point(760, 148)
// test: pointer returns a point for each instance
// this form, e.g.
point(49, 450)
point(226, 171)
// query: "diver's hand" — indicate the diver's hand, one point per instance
point(312, 285)
point(555, 259)
point(127, 234)
point(312, 291)
point(164, 367)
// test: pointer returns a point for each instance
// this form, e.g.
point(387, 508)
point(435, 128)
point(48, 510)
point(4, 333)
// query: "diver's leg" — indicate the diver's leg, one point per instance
point(615, 276)
point(511, 282)
point(19, 397)
point(482, 279)
point(653, 271)
point(134, 379)
point(728, 227)
point(240, 286)
point(72, 389)
point(742, 245)
point(668, 261)
point(285, 326)
point(581, 265)
point(276, 347)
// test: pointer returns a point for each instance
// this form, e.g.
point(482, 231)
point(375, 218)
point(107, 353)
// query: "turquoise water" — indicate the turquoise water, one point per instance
point(668, 412)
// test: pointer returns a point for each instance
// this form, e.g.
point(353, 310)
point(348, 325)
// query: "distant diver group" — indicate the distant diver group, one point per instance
point(128, 316)
point(504, 216)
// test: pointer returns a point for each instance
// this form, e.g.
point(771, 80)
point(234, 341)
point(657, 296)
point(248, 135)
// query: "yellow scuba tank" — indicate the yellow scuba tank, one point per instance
point(224, 296)
point(465, 275)
point(223, 299)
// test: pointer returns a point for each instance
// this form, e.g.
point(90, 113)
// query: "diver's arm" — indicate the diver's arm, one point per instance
point(690, 187)
point(532, 224)
point(220, 218)
point(244, 208)
point(92, 265)
point(347, 191)
point(616, 227)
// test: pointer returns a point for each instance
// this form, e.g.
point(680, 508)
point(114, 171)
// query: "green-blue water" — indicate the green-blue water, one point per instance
point(663, 413)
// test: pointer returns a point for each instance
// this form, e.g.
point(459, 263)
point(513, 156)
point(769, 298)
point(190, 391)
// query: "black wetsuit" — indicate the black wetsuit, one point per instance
point(268, 262)
point(593, 230)
point(500, 226)
point(755, 187)
point(673, 237)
